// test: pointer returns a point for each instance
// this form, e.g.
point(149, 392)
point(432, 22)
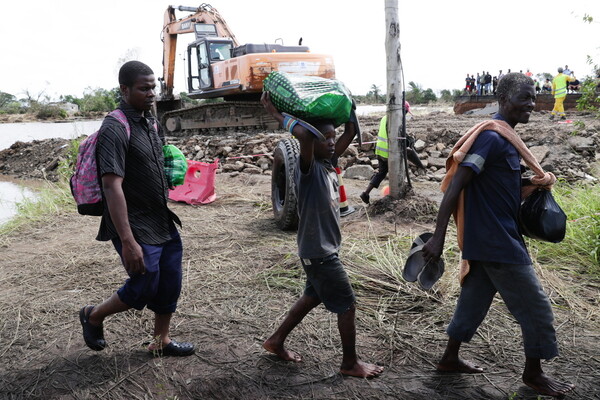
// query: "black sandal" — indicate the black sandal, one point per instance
point(175, 349)
point(92, 335)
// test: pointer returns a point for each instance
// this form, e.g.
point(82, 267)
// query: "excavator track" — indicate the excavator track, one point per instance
point(216, 117)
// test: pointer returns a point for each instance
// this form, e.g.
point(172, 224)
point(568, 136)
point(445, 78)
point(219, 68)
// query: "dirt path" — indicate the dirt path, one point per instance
point(240, 277)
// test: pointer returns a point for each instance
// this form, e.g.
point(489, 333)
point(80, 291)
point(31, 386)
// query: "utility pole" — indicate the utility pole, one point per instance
point(397, 172)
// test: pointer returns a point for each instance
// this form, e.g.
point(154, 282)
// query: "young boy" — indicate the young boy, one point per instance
point(319, 239)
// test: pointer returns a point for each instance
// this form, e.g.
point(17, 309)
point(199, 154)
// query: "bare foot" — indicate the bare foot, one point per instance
point(459, 365)
point(545, 385)
point(362, 370)
point(281, 351)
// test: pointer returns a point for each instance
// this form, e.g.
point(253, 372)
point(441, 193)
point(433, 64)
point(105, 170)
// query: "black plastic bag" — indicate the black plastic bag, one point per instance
point(542, 218)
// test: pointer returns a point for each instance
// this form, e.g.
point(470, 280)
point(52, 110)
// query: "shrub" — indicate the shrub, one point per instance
point(50, 111)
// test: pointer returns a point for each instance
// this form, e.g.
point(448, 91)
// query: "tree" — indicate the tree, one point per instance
point(429, 96)
point(542, 76)
point(5, 99)
point(98, 100)
point(415, 93)
point(448, 96)
point(375, 91)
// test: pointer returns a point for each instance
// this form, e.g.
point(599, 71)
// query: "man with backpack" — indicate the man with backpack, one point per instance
point(136, 217)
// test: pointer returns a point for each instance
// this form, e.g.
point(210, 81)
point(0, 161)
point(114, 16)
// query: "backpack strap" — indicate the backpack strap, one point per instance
point(119, 115)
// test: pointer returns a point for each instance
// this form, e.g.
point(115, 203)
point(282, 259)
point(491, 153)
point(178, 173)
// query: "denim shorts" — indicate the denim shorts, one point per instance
point(159, 288)
point(327, 280)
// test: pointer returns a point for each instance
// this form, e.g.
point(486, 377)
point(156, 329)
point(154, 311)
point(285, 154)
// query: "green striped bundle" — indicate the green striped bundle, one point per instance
point(175, 165)
point(309, 97)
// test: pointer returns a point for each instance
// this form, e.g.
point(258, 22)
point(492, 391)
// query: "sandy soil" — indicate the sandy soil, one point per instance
point(240, 277)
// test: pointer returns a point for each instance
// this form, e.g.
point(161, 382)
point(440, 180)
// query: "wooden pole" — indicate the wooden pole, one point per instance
point(397, 172)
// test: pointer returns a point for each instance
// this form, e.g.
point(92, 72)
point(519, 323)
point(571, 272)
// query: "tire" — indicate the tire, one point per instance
point(283, 196)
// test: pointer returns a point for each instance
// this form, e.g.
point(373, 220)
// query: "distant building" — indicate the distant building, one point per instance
point(70, 108)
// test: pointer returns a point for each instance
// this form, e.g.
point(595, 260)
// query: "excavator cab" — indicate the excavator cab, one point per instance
point(201, 54)
point(206, 50)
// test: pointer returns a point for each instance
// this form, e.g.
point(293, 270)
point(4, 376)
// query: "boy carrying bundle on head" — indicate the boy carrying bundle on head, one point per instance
point(319, 239)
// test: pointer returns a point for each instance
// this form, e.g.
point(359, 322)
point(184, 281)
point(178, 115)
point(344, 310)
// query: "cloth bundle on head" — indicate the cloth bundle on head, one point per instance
point(458, 154)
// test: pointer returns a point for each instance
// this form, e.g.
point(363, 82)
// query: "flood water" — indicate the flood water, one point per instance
point(11, 192)
point(29, 131)
point(10, 195)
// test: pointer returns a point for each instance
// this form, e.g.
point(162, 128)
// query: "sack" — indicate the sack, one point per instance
point(541, 217)
point(175, 165)
point(309, 97)
point(85, 182)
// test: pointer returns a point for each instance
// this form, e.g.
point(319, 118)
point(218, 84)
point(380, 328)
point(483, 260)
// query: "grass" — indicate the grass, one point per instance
point(51, 200)
point(580, 250)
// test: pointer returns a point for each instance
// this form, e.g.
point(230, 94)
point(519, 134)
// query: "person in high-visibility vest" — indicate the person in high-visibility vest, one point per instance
point(559, 91)
point(382, 153)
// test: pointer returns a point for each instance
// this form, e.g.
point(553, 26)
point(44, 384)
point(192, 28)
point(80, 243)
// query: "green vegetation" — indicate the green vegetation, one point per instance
point(40, 105)
point(416, 94)
point(50, 201)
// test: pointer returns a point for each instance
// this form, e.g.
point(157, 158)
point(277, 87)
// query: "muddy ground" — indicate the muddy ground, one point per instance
point(240, 277)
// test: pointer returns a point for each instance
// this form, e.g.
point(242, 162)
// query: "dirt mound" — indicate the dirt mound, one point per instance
point(414, 208)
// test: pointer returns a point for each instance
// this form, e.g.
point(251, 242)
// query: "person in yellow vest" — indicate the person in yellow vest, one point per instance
point(382, 153)
point(559, 91)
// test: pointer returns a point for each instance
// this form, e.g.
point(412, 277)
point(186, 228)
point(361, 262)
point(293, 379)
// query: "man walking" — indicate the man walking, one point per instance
point(559, 91)
point(136, 217)
point(483, 189)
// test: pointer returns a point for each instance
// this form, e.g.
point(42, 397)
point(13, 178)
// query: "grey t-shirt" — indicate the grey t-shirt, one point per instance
point(317, 193)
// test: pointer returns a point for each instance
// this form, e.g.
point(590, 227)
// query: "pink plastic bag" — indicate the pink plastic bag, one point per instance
point(199, 184)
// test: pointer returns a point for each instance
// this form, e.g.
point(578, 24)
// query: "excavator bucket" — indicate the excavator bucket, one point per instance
point(199, 184)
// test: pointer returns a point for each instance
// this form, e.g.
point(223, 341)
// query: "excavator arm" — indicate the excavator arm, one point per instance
point(203, 14)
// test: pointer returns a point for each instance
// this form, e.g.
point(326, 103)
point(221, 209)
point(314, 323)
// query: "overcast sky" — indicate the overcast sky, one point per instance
point(64, 46)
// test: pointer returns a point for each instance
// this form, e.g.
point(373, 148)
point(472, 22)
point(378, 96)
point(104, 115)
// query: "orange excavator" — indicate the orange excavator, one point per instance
point(219, 67)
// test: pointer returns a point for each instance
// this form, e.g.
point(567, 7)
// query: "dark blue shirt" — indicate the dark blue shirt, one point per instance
point(492, 201)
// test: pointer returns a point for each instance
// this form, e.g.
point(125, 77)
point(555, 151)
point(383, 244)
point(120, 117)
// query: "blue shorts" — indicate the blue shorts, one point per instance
point(327, 280)
point(160, 286)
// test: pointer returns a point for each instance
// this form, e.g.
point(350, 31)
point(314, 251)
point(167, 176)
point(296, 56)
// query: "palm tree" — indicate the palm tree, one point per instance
point(375, 90)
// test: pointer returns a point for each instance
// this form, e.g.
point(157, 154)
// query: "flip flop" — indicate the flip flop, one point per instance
point(415, 261)
point(430, 274)
point(93, 336)
point(175, 349)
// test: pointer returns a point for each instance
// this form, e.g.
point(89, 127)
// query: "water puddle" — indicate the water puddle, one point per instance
point(10, 195)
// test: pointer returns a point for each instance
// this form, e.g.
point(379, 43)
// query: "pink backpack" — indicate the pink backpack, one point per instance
point(85, 182)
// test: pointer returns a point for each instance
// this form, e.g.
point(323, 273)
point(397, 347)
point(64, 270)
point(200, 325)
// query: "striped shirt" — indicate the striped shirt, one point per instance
point(139, 161)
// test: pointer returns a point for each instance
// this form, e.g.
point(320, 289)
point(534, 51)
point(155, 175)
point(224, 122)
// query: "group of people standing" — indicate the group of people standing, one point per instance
point(482, 84)
point(484, 177)
point(486, 84)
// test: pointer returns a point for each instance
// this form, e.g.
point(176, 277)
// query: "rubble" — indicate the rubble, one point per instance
point(565, 149)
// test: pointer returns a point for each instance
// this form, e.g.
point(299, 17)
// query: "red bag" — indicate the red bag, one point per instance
point(199, 184)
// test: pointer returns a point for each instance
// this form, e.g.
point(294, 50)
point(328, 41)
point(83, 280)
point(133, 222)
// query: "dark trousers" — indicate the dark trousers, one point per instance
point(522, 293)
point(382, 171)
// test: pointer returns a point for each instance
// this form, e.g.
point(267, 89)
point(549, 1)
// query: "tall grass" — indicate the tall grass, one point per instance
point(580, 250)
point(50, 200)
point(53, 199)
